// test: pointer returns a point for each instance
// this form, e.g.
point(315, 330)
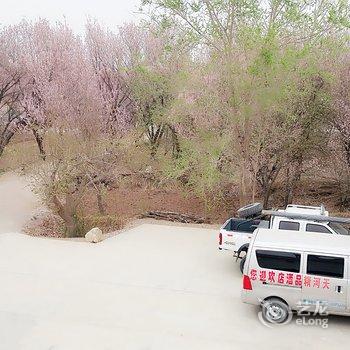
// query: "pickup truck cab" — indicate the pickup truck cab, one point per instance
point(236, 234)
point(306, 225)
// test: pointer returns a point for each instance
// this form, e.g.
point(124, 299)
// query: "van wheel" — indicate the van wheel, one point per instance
point(275, 311)
point(241, 264)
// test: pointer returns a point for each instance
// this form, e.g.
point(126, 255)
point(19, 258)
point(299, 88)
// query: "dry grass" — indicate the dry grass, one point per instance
point(19, 154)
point(45, 224)
point(129, 202)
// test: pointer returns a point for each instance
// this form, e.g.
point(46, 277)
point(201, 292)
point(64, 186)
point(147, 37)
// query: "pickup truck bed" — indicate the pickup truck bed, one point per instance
point(236, 232)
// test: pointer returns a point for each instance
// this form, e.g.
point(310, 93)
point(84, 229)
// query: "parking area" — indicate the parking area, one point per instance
point(152, 287)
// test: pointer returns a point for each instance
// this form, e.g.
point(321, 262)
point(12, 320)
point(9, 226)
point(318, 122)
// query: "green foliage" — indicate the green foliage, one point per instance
point(197, 165)
point(260, 96)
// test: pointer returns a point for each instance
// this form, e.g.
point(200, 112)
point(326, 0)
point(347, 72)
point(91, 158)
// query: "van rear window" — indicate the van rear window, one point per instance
point(277, 260)
point(328, 266)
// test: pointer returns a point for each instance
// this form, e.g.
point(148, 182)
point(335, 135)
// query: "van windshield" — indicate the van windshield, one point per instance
point(340, 229)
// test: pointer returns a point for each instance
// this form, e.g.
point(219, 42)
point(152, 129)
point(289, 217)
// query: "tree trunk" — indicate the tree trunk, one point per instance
point(243, 190)
point(175, 141)
point(156, 138)
point(5, 138)
point(347, 151)
point(266, 195)
point(68, 212)
point(72, 226)
point(267, 179)
point(288, 189)
point(40, 142)
point(100, 204)
point(292, 181)
point(1, 149)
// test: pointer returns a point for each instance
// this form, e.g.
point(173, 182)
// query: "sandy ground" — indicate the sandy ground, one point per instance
point(17, 203)
point(151, 287)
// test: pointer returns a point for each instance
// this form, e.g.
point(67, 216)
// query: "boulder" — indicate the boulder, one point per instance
point(94, 235)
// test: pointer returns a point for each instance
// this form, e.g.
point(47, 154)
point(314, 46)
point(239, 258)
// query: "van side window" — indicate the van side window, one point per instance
point(289, 225)
point(317, 228)
point(328, 266)
point(283, 261)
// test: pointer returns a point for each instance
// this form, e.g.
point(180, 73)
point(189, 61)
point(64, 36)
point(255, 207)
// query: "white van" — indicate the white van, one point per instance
point(293, 271)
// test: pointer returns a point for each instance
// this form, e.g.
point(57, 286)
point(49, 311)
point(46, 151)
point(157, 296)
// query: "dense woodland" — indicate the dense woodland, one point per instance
point(240, 99)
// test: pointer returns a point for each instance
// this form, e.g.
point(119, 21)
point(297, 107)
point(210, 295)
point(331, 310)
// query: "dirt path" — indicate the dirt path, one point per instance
point(17, 203)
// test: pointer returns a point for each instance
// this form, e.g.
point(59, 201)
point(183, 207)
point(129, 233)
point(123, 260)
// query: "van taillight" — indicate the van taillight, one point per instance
point(247, 285)
point(220, 238)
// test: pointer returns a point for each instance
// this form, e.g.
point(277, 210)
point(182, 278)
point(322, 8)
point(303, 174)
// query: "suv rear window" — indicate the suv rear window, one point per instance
point(289, 225)
point(328, 266)
point(277, 260)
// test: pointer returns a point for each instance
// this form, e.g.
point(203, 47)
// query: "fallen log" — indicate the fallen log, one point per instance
point(175, 217)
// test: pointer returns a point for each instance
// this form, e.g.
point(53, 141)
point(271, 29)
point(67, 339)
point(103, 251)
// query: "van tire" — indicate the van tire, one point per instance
point(241, 264)
point(249, 210)
point(276, 311)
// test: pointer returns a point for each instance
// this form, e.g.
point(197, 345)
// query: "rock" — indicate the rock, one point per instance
point(94, 235)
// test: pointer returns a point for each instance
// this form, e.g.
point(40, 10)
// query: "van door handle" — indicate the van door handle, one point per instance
point(339, 289)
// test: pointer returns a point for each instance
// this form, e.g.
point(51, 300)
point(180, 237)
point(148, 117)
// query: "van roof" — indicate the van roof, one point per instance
point(302, 241)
